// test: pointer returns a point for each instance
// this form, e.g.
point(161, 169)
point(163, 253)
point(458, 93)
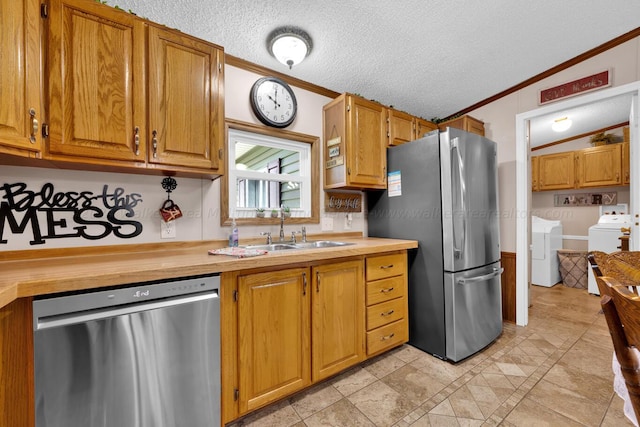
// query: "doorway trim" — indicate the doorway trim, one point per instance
point(523, 179)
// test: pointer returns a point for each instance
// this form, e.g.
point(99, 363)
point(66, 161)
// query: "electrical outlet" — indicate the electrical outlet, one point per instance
point(327, 224)
point(348, 219)
point(167, 229)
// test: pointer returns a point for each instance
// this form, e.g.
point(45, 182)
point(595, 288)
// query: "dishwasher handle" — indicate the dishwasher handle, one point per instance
point(53, 321)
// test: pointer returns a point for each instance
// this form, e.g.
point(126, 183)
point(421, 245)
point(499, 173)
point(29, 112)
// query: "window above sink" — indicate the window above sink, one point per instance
point(268, 168)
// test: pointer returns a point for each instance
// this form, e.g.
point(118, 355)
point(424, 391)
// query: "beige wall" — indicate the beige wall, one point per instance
point(499, 117)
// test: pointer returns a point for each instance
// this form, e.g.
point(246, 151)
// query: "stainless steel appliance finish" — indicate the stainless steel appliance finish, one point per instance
point(443, 193)
point(140, 356)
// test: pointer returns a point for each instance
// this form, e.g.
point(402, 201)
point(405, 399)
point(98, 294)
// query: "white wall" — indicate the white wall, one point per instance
point(199, 199)
point(499, 118)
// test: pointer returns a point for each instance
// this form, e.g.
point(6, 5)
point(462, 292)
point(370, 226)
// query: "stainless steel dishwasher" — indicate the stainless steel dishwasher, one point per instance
point(147, 355)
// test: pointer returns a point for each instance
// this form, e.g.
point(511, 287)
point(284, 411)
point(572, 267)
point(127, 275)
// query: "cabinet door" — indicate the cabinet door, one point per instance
point(338, 317)
point(273, 336)
point(185, 112)
point(626, 171)
point(534, 174)
point(400, 127)
point(96, 82)
point(599, 166)
point(20, 77)
point(366, 149)
point(423, 127)
point(556, 171)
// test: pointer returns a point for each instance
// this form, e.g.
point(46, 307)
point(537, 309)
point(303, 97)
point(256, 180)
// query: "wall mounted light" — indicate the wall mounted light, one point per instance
point(561, 124)
point(289, 45)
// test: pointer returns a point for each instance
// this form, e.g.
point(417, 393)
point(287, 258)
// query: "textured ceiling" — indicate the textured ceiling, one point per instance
point(431, 58)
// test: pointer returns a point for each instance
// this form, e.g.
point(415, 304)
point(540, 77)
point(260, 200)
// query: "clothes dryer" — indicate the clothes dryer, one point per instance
point(546, 239)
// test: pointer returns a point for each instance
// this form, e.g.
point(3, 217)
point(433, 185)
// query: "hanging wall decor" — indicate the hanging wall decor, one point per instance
point(586, 199)
point(48, 213)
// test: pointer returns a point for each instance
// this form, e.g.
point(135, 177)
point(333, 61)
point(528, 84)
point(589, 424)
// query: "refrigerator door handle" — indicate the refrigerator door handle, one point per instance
point(457, 250)
point(483, 278)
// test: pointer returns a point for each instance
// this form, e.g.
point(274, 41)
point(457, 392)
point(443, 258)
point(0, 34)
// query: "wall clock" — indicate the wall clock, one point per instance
point(273, 102)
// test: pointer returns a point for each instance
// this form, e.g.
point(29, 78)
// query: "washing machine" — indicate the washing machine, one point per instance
point(546, 239)
point(604, 236)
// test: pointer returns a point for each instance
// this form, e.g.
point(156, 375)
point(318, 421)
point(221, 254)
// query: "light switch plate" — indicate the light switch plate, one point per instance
point(167, 229)
point(327, 224)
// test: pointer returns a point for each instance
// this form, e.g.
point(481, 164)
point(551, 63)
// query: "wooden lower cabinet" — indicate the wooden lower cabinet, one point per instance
point(274, 336)
point(283, 330)
point(16, 365)
point(294, 327)
point(336, 318)
point(387, 305)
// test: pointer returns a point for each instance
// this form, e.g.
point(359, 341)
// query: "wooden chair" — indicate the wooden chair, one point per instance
point(621, 309)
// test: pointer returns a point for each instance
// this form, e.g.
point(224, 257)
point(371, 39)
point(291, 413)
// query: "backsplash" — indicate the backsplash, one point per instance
point(51, 208)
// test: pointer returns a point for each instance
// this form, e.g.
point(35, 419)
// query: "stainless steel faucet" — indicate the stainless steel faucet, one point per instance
point(282, 223)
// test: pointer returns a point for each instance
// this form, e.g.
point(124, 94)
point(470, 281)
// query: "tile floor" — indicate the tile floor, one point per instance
point(554, 372)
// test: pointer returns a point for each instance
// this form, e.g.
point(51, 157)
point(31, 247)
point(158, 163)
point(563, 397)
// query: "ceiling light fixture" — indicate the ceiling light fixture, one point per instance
point(289, 45)
point(561, 124)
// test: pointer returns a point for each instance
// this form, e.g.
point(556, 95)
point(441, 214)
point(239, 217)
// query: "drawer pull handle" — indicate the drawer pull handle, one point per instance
point(384, 267)
point(388, 313)
point(136, 140)
point(388, 337)
point(386, 290)
point(154, 143)
point(34, 126)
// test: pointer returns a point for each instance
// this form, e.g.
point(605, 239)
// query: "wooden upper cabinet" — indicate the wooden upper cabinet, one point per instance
point(401, 127)
point(423, 127)
point(355, 139)
point(467, 123)
point(556, 171)
point(126, 92)
point(599, 166)
point(21, 109)
point(96, 74)
point(337, 317)
point(535, 185)
point(404, 127)
point(186, 115)
point(626, 170)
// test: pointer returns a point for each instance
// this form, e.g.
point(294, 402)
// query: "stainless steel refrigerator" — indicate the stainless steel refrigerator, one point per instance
point(442, 191)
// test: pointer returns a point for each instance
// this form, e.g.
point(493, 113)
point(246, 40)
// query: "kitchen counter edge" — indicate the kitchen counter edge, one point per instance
point(40, 276)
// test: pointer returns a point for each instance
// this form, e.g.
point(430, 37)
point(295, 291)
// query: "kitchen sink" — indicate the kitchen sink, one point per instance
point(301, 245)
point(321, 244)
point(272, 247)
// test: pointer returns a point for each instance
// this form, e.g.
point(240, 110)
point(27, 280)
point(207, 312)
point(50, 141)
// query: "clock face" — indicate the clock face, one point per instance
point(273, 102)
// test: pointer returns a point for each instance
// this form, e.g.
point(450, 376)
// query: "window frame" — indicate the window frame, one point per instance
point(229, 177)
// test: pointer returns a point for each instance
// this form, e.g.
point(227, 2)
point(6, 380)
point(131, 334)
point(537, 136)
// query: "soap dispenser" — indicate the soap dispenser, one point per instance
point(233, 237)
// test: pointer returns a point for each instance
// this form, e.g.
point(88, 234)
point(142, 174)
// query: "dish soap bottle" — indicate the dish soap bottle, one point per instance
point(233, 237)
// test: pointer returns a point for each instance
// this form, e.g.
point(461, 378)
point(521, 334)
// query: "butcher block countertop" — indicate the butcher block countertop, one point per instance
point(52, 271)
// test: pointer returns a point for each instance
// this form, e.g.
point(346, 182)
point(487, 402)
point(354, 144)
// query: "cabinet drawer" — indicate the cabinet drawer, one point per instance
point(387, 336)
point(385, 289)
point(383, 266)
point(385, 312)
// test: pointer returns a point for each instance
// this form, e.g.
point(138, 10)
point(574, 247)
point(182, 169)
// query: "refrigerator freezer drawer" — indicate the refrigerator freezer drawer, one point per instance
point(473, 310)
point(387, 336)
point(386, 312)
